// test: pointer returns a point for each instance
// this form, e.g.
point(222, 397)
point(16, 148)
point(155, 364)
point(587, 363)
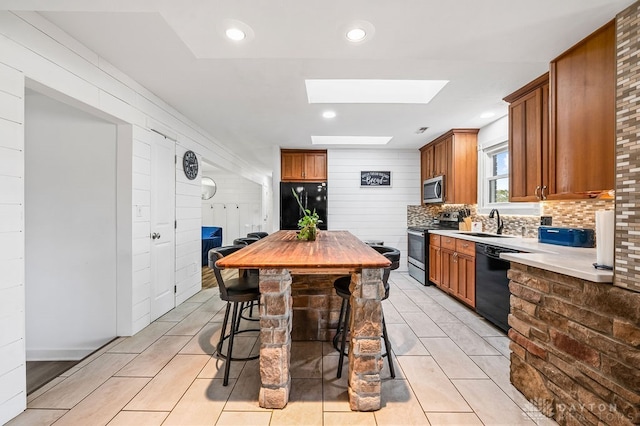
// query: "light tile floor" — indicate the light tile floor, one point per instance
point(452, 368)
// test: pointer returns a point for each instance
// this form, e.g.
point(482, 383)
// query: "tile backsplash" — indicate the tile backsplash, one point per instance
point(570, 214)
point(627, 262)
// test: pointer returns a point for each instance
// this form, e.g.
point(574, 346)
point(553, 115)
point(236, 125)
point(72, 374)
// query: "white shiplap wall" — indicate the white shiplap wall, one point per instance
point(141, 228)
point(12, 295)
point(236, 206)
point(188, 232)
point(37, 53)
point(373, 212)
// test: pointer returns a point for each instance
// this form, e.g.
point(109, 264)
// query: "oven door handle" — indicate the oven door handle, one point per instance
point(416, 233)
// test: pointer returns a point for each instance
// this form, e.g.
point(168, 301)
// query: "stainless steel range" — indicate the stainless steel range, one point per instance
point(418, 250)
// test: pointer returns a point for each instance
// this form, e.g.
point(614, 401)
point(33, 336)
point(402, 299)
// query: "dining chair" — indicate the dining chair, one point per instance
point(341, 285)
point(236, 291)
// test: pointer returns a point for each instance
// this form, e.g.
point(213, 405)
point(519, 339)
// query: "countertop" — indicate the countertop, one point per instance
point(331, 252)
point(571, 261)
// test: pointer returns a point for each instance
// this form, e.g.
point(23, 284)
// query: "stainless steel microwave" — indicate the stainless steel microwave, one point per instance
point(433, 190)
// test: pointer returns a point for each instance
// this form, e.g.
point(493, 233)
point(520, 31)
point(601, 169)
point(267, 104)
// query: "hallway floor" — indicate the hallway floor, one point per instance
point(452, 368)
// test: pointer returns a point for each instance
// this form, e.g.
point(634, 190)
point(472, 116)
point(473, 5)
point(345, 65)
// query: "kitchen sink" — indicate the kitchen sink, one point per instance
point(484, 235)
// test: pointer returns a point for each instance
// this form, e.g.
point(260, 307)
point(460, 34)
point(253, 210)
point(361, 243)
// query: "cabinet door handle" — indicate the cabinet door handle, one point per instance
point(537, 192)
point(544, 197)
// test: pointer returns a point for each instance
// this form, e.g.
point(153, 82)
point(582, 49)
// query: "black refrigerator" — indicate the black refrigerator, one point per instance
point(312, 196)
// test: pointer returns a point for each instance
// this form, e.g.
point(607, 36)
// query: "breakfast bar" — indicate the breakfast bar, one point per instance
point(280, 255)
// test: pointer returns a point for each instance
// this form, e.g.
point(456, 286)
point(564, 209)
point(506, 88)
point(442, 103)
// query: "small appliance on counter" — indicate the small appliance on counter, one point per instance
point(570, 237)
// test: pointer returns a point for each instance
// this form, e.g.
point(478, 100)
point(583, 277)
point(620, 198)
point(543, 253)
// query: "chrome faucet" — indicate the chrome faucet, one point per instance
point(499, 222)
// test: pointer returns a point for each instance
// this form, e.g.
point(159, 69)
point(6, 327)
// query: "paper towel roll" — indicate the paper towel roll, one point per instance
point(605, 230)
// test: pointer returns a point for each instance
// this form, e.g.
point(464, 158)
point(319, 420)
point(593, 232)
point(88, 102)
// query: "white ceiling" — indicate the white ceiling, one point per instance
point(251, 96)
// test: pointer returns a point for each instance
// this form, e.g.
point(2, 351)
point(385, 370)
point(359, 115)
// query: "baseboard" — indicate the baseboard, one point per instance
point(58, 354)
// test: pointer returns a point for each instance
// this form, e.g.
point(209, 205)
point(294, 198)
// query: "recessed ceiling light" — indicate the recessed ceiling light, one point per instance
point(329, 114)
point(358, 31)
point(235, 34)
point(356, 34)
point(235, 31)
point(487, 114)
point(350, 140)
point(373, 91)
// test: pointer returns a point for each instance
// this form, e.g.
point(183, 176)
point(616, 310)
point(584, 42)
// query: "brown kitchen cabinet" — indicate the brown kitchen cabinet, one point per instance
point(562, 125)
point(454, 156)
point(443, 156)
point(303, 165)
point(448, 276)
point(529, 140)
point(435, 259)
point(458, 269)
point(582, 117)
point(426, 163)
point(466, 271)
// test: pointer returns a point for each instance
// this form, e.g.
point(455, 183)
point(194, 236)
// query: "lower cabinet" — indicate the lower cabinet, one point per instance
point(457, 267)
point(435, 260)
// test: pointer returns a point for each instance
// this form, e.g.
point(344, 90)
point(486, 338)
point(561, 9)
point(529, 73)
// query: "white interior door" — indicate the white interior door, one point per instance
point(162, 226)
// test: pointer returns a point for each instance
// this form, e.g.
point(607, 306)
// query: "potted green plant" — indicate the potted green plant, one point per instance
point(308, 223)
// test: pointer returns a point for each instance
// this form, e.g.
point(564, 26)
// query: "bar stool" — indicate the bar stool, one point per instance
point(341, 285)
point(235, 291)
point(245, 241)
point(258, 235)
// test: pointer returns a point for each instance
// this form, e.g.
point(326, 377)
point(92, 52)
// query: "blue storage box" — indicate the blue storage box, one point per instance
point(570, 237)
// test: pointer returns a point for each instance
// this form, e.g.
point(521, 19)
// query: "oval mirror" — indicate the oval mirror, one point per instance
point(209, 188)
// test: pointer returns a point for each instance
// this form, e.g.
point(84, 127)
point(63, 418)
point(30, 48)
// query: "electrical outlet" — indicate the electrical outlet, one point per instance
point(546, 220)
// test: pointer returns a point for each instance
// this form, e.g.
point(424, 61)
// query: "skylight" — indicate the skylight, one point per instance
point(350, 140)
point(373, 91)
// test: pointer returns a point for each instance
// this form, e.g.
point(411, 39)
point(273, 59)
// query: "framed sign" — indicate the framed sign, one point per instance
point(370, 178)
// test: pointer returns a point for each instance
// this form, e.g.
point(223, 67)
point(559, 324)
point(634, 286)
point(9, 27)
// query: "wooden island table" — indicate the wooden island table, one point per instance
point(277, 257)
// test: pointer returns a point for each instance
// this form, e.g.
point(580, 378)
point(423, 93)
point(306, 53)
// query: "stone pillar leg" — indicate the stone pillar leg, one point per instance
point(365, 353)
point(275, 337)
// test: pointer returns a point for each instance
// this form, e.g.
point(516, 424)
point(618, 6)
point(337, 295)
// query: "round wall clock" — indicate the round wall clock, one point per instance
point(190, 165)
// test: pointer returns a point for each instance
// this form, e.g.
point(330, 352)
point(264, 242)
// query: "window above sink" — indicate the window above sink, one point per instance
point(493, 172)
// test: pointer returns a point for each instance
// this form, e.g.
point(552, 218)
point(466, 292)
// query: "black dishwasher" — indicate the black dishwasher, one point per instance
point(492, 284)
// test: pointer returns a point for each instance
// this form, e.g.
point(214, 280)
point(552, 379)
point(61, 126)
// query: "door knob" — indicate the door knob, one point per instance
point(155, 236)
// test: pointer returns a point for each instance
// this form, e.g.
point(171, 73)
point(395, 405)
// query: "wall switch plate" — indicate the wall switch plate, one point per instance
point(546, 220)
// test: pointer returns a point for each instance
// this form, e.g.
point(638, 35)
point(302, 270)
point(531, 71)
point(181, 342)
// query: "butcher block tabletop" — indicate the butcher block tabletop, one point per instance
point(332, 250)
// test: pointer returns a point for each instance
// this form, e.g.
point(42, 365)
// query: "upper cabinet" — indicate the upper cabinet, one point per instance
point(303, 165)
point(426, 162)
point(529, 140)
point(582, 120)
point(454, 156)
point(562, 125)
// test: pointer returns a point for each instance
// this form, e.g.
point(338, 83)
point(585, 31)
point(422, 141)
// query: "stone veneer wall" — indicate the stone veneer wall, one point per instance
point(575, 347)
point(627, 260)
point(574, 213)
point(316, 307)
